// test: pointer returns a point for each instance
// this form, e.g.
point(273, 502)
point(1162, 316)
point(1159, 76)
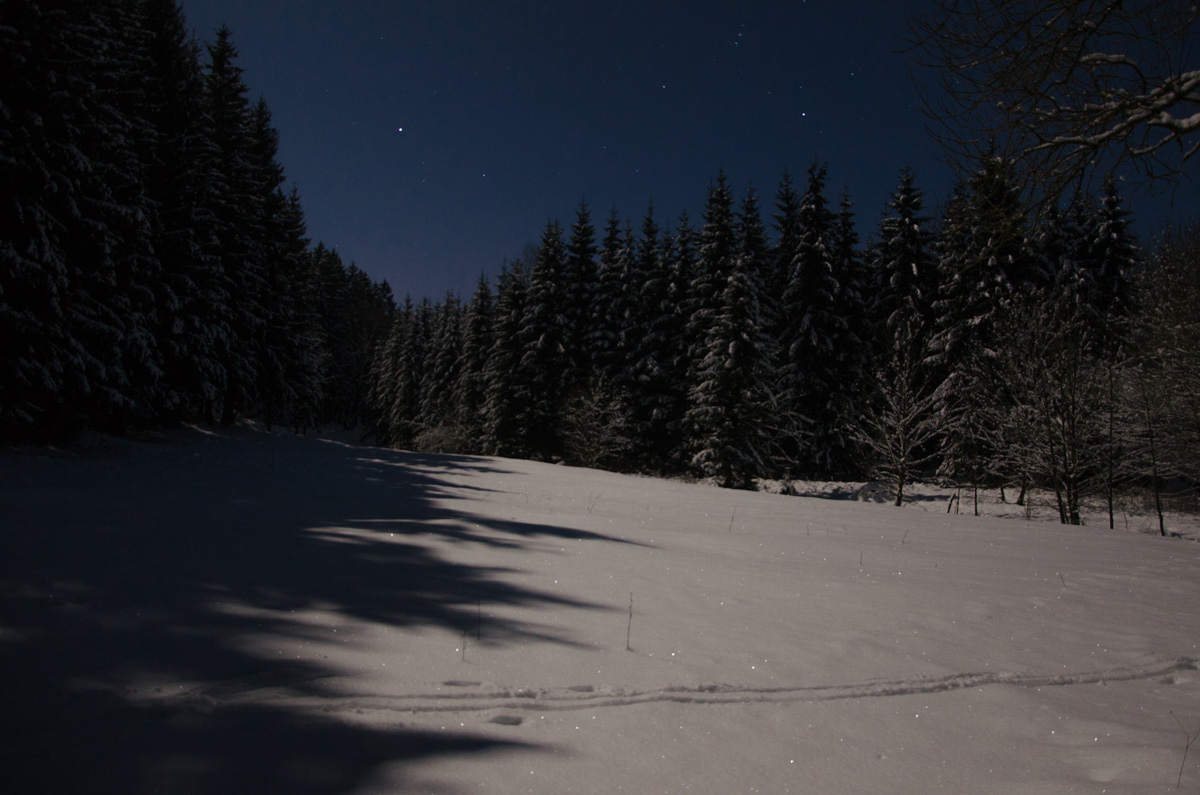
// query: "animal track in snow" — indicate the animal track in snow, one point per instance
point(592, 697)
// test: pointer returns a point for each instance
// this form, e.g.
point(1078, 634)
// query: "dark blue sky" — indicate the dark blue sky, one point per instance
point(431, 140)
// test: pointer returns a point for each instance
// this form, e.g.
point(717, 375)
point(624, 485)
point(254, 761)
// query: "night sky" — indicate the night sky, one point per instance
point(431, 141)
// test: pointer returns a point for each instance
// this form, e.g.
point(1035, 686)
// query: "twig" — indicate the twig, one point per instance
point(1064, 582)
point(629, 627)
point(1190, 739)
point(464, 645)
point(731, 518)
point(905, 539)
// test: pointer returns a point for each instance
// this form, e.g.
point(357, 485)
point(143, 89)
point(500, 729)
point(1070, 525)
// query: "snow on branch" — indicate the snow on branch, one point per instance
point(1064, 88)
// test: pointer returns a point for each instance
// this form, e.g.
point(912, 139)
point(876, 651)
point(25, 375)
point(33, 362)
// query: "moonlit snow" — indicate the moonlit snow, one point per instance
point(236, 611)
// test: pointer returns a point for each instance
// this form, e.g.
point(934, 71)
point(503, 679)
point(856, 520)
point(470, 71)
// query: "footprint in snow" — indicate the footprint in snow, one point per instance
point(507, 720)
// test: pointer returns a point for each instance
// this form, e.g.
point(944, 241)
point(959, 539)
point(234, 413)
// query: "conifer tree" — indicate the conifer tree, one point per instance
point(730, 396)
point(611, 307)
point(786, 220)
point(581, 283)
point(714, 263)
point(983, 261)
point(276, 248)
point(1059, 244)
point(899, 421)
point(903, 263)
point(812, 333)
point(682, 273)
point(506, 431)
point(385, 369)
point(544, 370)
point(1114, 256)
point(471, 390)
point(853, 349)
point(444, 364)
point(985, 269)
point(237, 210)
point(305, 353)
point(409, 344)
point(651, 346)
point(191, 297)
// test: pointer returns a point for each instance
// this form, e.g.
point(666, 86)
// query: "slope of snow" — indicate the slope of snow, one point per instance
point(236, 611)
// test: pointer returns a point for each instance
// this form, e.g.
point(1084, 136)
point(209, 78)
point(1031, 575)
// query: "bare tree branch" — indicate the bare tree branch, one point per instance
point(1065, 88)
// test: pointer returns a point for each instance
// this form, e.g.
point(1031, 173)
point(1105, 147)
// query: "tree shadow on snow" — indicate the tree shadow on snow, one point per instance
point(177, 565)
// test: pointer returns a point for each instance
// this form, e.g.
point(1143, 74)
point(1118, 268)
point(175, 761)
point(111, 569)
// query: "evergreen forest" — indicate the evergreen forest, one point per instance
point(154, 270)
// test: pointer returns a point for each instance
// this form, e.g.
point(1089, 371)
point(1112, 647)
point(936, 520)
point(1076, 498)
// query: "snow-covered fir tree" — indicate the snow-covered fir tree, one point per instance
point(611, 304)
point(471, 390)
point(506, 429)
point(899, 421)
point(731, 392)
point(812, 330)
point(650, 346)
point(903, 264)
point(1114, 256)
point(853, 350)
point(682, 253)
point(581, 282)
point(714, 263)
point(544, 371)
point(443, 364)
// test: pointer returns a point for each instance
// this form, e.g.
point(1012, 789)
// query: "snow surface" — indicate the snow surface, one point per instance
point(236, 611)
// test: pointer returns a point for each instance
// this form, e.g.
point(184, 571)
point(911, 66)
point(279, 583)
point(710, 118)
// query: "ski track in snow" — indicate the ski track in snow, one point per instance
point(471, 699)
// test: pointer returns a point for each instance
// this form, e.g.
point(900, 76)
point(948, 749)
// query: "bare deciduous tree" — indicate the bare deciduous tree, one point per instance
point(1050, 403)
point(596, 427)
point(900, 423)
point(1065, 88)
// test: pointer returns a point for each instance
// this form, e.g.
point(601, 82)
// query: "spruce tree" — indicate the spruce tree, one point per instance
point(850, 355)
point(471, 391)
point(404, 413)
point(899, 422)
point(903, 264)
point(237, 210)
point(651, 346)
point(986, 269)
point(444, 361)
point(544, 370)
point(729, 398)
point(1114, 257)
point(611, 307)
point(677, 364)
point(305, 354)
point(786, 221)
point(276, 247)
point(714, 263)
point(506, 429)
point(581, 283)
point(812, 333)
point(191, 296)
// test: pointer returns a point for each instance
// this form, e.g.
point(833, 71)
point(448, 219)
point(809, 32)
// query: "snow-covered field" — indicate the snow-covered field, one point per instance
point(235, 611)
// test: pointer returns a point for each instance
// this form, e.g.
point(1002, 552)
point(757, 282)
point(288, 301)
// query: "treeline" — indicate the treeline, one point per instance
point(980, 347)
point(151, 267)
